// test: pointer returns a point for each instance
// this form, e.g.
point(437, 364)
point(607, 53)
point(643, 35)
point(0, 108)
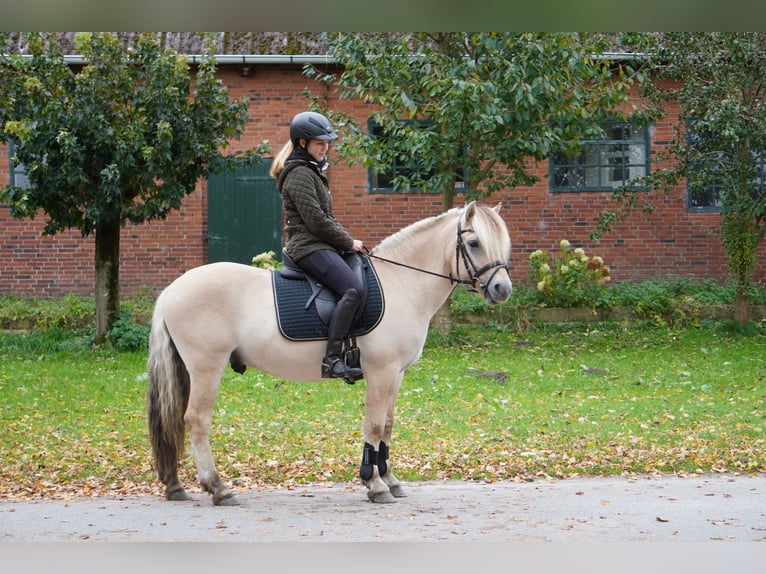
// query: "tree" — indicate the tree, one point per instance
point(484, 103)
point(718, 80)
point(480, 106)
point(122, 139)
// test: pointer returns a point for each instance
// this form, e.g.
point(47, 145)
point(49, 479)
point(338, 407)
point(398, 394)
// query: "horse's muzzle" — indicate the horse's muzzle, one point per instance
point(499, 290)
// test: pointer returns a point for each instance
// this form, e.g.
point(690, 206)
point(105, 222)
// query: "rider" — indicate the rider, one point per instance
point(315, 238)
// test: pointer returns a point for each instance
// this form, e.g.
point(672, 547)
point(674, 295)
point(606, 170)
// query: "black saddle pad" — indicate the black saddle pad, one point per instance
point(299, 323)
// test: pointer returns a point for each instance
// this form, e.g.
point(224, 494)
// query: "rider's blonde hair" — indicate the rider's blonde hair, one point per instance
point(279, 162)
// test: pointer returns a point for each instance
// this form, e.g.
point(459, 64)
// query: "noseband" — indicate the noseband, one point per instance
point(461, 251)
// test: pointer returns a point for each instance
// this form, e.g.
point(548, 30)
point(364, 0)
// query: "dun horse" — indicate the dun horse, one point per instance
point(224, 313)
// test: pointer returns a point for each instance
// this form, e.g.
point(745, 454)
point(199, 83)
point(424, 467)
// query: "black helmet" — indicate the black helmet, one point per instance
point(311, 126)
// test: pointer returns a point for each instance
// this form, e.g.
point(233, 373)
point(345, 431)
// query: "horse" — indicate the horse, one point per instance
point(224, 312)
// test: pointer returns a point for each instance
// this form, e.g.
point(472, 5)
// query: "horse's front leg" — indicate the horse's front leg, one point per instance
point(370, 473)
point(378, 424)
point(394, 486)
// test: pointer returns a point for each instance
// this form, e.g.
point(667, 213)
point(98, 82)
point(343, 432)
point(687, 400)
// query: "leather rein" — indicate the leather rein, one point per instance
point(461, 251)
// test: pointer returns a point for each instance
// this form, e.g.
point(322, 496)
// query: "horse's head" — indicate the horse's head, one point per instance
point(484, 248)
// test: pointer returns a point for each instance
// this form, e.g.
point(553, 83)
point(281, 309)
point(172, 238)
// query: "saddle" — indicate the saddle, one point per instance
point(304, 306)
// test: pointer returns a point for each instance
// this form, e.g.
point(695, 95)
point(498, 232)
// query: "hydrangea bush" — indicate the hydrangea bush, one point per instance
point(568, 279)
point(267, 260)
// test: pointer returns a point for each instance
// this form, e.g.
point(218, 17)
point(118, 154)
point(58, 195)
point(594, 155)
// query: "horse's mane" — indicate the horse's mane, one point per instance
point(403, 237)
point(486, 222)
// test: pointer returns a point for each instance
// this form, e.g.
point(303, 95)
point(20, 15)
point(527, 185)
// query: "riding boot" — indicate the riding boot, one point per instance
point(333, 364)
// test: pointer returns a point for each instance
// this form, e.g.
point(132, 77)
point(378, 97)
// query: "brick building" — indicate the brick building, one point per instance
point(677, 240)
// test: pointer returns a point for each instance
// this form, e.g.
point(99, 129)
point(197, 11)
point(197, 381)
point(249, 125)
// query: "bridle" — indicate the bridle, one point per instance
point(470, 267)
point(461, 252)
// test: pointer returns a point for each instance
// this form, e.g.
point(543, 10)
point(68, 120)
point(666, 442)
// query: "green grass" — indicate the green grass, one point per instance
point(602, 401)
point(554, 401)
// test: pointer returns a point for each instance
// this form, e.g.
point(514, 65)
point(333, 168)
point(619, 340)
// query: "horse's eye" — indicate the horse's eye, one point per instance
point(473, 243)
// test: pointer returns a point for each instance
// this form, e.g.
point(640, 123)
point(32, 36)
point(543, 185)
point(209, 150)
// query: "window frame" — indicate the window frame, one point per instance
point(461, 185)
point(713, 189)
point(601, 166)
point(16, 172)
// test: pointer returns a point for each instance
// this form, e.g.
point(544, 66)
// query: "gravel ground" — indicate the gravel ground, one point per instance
point(719, 507)
point(699, 524)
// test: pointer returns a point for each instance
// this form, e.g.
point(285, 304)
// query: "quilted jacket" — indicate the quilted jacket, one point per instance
point(307, 206)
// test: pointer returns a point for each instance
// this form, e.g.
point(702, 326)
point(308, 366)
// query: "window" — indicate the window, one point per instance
point(707, 197)
point(614, 160)
point(383, 181)
point(705, 194)
point(18, 176)
point(704, 197)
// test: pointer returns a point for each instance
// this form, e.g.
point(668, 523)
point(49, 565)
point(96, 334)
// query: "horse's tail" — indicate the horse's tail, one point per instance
point(167, 397)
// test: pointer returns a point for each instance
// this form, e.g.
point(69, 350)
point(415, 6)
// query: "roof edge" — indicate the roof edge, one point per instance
point(76, 59)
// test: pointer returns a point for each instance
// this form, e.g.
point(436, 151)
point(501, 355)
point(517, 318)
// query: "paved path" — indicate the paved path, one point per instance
point(719, 507)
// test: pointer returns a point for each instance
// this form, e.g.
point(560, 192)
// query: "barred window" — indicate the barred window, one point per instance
point(704, 189)
point(18, 176)
point(616, 159)
point(383, 181)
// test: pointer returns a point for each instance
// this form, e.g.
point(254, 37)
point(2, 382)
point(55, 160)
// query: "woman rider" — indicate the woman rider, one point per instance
point(315, 238)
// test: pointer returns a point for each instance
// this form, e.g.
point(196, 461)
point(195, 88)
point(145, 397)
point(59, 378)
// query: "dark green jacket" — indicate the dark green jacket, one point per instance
point(307, 206)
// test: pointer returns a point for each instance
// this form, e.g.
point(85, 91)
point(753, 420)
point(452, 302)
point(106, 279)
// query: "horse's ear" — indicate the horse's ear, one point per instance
point(469, 212)
point(497, 207)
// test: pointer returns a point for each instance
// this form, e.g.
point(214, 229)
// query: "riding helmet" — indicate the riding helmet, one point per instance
point(311, 126)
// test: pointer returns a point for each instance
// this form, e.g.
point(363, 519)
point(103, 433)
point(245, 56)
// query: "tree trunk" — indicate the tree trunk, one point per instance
point(107, 278)
point(742, 307)
point(448, 197)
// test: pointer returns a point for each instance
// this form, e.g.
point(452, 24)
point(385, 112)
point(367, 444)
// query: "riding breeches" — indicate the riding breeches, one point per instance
point(330, 269)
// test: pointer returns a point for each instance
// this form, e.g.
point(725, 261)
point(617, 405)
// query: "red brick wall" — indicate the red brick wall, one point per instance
point(671, 242)
point(152, 255)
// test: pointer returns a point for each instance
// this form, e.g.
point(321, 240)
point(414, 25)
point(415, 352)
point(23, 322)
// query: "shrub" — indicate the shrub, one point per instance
point(127, 335)
point(267, 261)
point(69, 312)
point(568, 279)
point(140, 305)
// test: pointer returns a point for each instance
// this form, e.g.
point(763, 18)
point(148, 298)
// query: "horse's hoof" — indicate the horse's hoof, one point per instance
point(384, 497)
point(397, 491)
point(177, 495)
point(226, 500)
point(229, 501)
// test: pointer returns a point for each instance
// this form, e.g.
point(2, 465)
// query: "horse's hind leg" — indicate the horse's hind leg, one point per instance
point(198, 418)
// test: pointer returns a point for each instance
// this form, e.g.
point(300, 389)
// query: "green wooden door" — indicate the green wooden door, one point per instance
point(244, 214)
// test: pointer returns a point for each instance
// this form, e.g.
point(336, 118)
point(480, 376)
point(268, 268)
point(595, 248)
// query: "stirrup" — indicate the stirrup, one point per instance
point(336, 368)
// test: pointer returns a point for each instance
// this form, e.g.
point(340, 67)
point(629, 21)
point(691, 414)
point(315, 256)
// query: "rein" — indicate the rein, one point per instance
point(468, 264)
point(400, 264)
